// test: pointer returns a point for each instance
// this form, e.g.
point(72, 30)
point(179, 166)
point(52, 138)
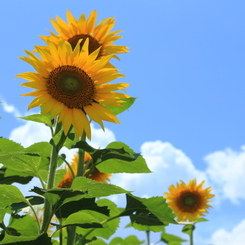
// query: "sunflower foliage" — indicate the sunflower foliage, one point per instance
point(72, 82)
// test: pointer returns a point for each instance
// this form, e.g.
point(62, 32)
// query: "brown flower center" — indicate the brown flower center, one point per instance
point(189, 201)
point(93, 43)
point(71, 86)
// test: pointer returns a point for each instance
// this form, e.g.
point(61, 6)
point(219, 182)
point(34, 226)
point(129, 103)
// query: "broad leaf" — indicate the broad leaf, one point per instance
point(65, 202)
point(169, 239)
point(23, 225)
point(113, 164)
point(71, 207)
point(27, 240)
point(84, 219)
point(188, 229)
point(10, 194)
point(39, 118)
point(152, 211)
point(117, 157)
point(95, 189)
point(127, 241)
point(124, 106)
point(109, 227)
point(8, 176)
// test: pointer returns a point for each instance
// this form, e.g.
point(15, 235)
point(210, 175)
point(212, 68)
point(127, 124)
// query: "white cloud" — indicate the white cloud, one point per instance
point(226, 169)
point(168, 166)
point(235, 236)
point(30, 133)
point(10, 108)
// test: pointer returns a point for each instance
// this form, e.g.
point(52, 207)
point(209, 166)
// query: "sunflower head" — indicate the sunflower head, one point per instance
point(188, 202)
point(95, 174)
point(100, 36)
point(72, 85)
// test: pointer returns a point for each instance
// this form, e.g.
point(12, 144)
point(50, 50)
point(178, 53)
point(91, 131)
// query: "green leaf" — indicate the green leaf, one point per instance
point(110, 165)
point(98, 242)
point(10, 194)
point(148, 212)
point(43, 148)
point(7, 178)
point(117, 157)
point(7, 145)
point(23, 225)
point(71, 207)
point(188, 229)
point(130, 240)
point(124, 106)
point(66, 201)
point(39, 118)
point(200, 220)
point(27, 240)
point(33, 200)
point(58, 196)
point(24, 162)
point(133, 240)
point(84, 219)
point(60, 173)
point(109, 227)
point(29, 164)
point(169, 239)
point(95, 189)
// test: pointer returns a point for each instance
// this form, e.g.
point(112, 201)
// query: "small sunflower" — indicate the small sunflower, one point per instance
point(94, 175)
point(99, 36)
point(72, 85)
point(189, 202)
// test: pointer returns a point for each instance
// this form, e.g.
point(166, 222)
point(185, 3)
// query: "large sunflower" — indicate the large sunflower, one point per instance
point(94, 175)
point(76, 29)
point(72, 84)
point(189, 202)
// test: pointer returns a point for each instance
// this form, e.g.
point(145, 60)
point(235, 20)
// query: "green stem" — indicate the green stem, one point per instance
point(51, 177)
point(80, 171)
point(69, 166)
point(81, 153)
point(35, 214)
point(48, 212)
point(191, 236)
point(148, 237)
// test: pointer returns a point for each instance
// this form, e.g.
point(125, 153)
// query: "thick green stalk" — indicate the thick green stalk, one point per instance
point(48, 212)
point(47, 216)
point(148, 237)
point(81, 153)
point(191, 236)
point(71, 231)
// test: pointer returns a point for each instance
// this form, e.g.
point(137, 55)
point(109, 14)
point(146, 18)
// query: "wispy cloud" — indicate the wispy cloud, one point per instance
point(9, 108)
point(226, 170)
point(235, 236)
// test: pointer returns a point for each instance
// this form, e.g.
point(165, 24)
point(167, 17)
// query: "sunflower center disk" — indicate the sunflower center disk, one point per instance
point(71, 86)
point(188, 202)
point(93, 43)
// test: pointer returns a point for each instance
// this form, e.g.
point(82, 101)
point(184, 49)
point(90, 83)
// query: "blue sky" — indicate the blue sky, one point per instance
point(186, 66)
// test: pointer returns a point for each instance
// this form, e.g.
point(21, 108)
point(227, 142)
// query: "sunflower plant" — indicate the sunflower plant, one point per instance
point(74, 85)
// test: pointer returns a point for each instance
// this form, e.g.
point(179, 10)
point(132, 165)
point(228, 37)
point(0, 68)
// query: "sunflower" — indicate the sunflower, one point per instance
point(94, 175)
point(99, 36)
point(72, 85)
point(189, 202)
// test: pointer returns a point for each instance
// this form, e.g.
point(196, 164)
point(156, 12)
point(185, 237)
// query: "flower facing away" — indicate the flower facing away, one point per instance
point(72, 85)
point(94, 175)
point(189, 202)
point(99, 36)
